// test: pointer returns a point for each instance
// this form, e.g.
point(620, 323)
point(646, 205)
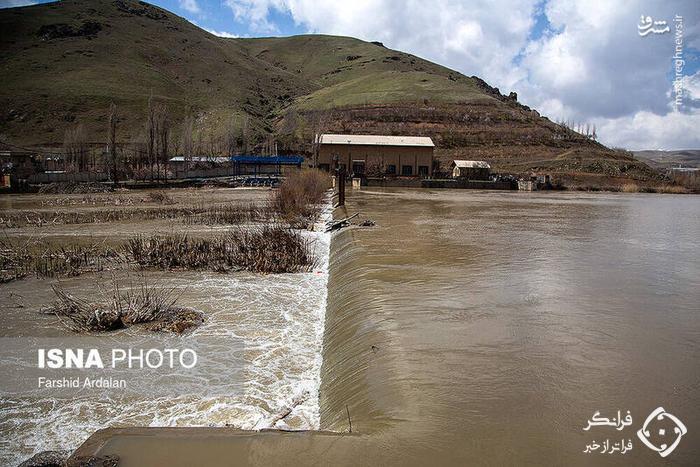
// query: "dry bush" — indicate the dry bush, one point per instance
point(145, 304)
point(41, 218)
point(630, 188)
point(20, 259)
point(208, 215)
point(74, 187)
point(672, 189)
point(299, 197)
point(159, 197)
point(270, 249)
point(267, 249)
point(175, 251)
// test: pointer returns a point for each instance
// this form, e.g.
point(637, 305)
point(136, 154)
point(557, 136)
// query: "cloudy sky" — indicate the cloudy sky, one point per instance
point(580, 60)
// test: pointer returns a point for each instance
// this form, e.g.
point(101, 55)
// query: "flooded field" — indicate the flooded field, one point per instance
point(466, 327)
point(276, 320)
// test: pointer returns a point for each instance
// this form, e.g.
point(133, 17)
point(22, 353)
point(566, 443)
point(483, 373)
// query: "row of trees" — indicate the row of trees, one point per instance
point(148, 155)
point(583, 129)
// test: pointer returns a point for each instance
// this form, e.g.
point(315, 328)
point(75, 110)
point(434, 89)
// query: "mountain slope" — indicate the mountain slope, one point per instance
point(63, 63)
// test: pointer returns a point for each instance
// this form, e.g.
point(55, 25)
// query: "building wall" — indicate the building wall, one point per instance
point(379, 160)
point(471, 173)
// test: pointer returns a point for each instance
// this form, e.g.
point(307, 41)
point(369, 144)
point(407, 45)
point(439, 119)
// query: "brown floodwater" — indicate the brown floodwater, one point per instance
point(489, 328)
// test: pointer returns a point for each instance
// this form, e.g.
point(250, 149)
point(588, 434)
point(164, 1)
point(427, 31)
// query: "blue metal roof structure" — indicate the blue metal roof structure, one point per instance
point(268, 160)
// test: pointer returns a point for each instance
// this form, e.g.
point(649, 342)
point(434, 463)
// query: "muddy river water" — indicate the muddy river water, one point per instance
point(483, 328)
point(465, 328)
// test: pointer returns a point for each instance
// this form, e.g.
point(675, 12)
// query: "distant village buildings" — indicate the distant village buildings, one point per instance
point(471, 170)
point(377, 155)
point(16, 164)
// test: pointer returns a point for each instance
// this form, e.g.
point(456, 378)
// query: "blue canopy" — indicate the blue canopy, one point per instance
point(268, 160)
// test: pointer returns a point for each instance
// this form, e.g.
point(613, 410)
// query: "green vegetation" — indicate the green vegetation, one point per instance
point(64, 67)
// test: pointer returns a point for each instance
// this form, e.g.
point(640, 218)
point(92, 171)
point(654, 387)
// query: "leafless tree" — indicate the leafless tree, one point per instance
point(317, 129)
point(187, 141)
point(230, 137)
point(112, 141)
point(151, 135)
point(76, 148)
point(163, 136)
point(246, 135)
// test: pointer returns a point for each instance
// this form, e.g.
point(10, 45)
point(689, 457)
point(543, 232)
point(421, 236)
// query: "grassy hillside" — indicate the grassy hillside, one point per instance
point(63, 63)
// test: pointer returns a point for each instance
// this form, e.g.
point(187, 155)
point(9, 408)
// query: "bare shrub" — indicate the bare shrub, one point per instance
point(229, 214)
point(630, 188)
point(74, 187)
point(145, 304)
point(207, 215)
point(270, 249)
point(300, 195)
point(20, 259)
point(673, 189)
point(266, 249)
point(159, 197)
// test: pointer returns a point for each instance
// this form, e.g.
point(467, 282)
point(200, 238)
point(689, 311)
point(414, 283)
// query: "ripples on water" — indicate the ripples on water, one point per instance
point(486, 328)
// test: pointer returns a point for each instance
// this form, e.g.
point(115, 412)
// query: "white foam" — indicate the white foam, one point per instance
point(280, 319)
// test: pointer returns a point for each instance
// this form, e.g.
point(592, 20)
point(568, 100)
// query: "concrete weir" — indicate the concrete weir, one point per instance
point(356, 394)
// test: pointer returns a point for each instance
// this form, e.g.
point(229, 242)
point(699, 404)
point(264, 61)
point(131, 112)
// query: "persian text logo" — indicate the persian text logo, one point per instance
point(608, 446)
point(644, 433)
point(649, 26)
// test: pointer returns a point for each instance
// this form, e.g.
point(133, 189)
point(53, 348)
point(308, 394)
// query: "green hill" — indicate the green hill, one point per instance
point(64, 63)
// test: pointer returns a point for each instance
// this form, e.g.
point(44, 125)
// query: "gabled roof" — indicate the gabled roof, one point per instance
point(377, 140)
point(471, 164)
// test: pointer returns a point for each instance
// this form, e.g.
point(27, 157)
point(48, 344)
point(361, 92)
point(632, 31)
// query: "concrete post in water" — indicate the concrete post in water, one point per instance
point(340, 174)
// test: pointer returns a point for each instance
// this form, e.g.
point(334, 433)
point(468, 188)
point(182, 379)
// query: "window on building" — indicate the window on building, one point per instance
point(391, 169)
point(423, 170)
point(406, 170)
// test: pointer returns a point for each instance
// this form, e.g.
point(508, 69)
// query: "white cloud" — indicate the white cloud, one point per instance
point(255, 13)
point(190, 5)
point(590, 66)
point(647, 130)
point(222, 33)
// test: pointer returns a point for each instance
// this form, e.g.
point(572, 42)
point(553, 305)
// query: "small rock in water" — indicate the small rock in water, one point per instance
point(93, 461)
point(368, 223)
point(47, 459)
